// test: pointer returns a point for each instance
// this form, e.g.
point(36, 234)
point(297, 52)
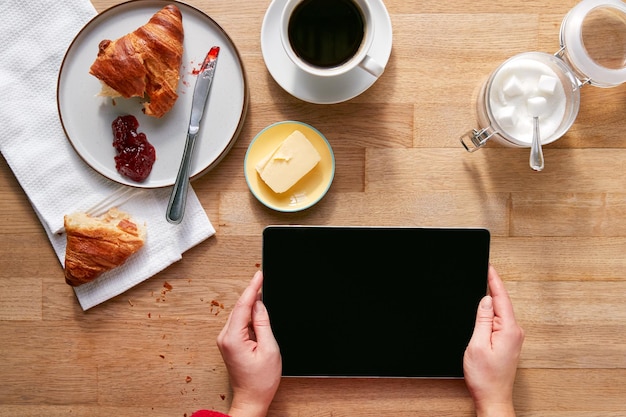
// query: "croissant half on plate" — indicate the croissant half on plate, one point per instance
point(145, 62)
point(98, 244)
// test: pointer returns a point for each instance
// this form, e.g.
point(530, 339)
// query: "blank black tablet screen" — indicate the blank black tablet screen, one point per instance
point(373, 301)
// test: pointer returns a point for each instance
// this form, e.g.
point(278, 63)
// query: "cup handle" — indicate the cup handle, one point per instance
point(371, 66)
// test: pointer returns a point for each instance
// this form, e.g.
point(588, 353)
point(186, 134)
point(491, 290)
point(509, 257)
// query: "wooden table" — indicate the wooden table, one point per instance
point(558, 238)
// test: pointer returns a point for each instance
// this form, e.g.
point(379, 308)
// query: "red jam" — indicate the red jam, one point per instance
point(135, 155)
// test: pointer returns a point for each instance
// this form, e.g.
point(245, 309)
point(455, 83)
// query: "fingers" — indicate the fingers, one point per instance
point(484, 323)
point(251, 293)
point(241, 315)
point(261, 324)
point(242, 312)
point(501, 301)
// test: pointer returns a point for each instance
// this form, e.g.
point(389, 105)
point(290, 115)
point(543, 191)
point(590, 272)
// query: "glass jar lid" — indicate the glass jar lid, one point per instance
point(593, 40)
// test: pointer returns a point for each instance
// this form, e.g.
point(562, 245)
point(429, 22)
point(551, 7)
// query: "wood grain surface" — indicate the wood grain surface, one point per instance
point(558, 238)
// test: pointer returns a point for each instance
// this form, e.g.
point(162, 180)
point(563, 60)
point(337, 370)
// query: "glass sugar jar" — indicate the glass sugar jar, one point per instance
point(593, 51)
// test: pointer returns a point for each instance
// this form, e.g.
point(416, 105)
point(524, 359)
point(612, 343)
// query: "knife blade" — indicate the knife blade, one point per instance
point(178, 198)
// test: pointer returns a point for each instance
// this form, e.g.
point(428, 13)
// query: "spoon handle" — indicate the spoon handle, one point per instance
point(536, 153)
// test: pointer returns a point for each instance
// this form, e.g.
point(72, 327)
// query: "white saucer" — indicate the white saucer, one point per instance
point(322, 90)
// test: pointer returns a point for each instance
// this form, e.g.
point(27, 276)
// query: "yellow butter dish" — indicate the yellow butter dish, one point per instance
point(289, 166)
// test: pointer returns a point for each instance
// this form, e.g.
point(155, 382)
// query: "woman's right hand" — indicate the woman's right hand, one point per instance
point(491, 358)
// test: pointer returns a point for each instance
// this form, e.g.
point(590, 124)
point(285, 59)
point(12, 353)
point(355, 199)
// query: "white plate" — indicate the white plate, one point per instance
point(317, 90)
point(87, 117)
point(306, 192)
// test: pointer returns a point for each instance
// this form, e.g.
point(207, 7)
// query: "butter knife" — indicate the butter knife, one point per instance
point(178, 198)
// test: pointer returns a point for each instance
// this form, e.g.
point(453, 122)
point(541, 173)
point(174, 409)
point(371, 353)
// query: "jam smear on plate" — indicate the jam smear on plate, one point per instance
point(135, 155)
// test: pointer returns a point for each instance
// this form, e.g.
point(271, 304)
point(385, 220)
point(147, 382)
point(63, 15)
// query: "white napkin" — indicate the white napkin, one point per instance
point(35, 36)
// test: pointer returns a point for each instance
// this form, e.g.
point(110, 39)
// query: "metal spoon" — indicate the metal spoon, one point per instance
point(536, 153)
point(536, 107)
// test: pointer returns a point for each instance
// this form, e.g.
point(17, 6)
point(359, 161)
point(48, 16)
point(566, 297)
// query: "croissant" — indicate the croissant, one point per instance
point(98, 244)
point(145, 62)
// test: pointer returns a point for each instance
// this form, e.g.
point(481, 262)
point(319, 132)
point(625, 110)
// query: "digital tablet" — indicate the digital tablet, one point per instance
point(373, 301)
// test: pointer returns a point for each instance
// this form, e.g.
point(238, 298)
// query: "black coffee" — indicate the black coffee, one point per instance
point(326, 33)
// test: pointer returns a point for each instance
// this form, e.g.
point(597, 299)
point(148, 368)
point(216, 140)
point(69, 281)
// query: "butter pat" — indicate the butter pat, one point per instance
point(288, 163)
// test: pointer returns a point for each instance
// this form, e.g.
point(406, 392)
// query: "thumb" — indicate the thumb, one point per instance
point(261, 323)
point(484, 321)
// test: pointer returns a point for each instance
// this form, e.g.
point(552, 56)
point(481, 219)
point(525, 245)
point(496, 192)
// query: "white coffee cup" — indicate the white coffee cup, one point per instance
point(321, 48)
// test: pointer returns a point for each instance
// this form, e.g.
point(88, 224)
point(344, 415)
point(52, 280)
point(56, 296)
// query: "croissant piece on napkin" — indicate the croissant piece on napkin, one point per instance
point(145, 62)
point(98, 244)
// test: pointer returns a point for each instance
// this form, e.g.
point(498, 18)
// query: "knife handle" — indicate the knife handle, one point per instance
point(178, 198)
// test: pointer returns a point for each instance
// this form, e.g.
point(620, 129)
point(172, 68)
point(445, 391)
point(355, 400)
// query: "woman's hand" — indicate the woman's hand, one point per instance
point(251, 354)
point(491, 357)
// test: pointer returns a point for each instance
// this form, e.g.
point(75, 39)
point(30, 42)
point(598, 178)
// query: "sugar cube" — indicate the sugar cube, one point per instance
point(507, 117)
point(513, 87)
point(547, 84)
point(536, 106)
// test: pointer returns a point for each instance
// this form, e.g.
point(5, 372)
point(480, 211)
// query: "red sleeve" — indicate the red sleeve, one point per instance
point(207, 413)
